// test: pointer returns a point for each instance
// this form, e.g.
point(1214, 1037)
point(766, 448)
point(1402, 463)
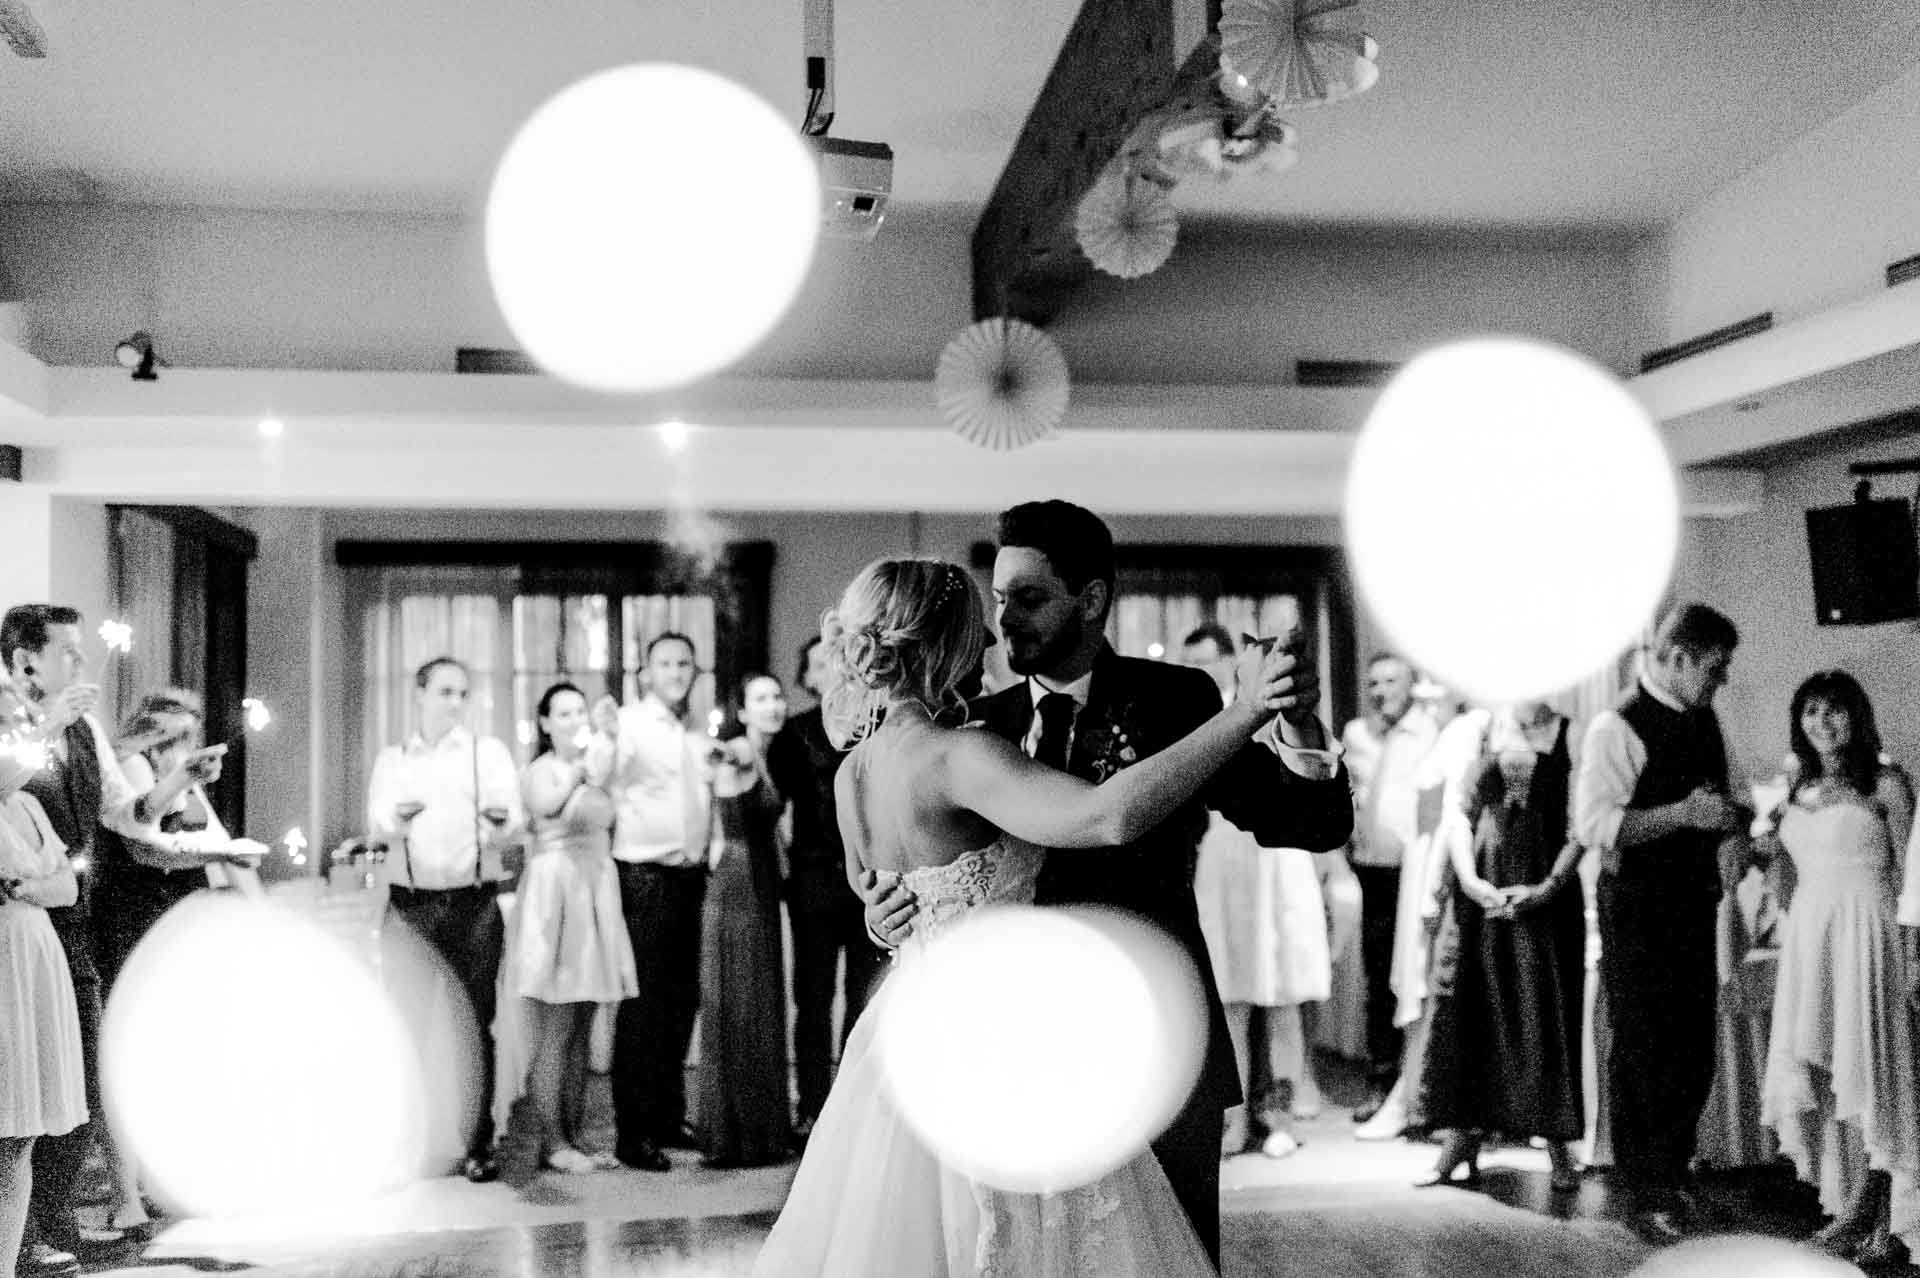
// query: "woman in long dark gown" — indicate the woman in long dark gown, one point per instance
point(744, 1113)
point(1505, 1049)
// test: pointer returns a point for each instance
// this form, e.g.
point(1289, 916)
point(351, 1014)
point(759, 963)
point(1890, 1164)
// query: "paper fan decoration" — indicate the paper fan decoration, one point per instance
point(1295, 51)
point(1002, 383)
point(1126, 224)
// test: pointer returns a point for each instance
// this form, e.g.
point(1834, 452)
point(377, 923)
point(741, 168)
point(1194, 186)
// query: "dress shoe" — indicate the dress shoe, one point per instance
point(1279, 1144)
point(645, 1156)
point(480, 1169)
point(1462, 1151)
point(1659, 1228)
point(1366, 1109)
point(38, 1260)
point(682, 1137)
point(569, 1160)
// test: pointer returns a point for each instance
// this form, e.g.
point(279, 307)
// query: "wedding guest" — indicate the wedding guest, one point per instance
point(1265, 926)
point(1654, 798)
point(449, 799)
point(568, 951)
point(81, 789)
point(1084, 709)
point(662, 790)
point(1504, 1050)
point(743, 1102)
point(823, 912)
point(1840, 1082)
point(1383, 748)
point(1424, 939)
point(137, 881)
point(42, 1076)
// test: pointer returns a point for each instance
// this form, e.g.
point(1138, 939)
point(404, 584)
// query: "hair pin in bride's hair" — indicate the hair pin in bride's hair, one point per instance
point(950, 585)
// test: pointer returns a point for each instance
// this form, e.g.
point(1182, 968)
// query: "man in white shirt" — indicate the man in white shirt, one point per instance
point(82, 790)
point(448, 805)
point(1383, 752)
point(662, 787)
point(1654, 796)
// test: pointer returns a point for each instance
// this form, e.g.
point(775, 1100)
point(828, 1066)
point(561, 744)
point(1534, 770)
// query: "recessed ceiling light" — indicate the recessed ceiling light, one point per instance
point(271, 427)
point(673, 433)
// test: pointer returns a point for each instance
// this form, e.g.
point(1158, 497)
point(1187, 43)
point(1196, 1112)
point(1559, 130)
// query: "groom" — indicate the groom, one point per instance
point(1088, 711)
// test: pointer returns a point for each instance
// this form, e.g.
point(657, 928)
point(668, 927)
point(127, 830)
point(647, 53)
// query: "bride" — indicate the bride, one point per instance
point(959, 815)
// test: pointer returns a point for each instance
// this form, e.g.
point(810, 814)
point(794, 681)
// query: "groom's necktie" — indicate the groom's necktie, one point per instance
point(1056, 725)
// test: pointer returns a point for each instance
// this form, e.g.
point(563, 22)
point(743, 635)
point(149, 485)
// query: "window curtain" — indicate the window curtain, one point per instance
point(145, 580)
point(407, 616)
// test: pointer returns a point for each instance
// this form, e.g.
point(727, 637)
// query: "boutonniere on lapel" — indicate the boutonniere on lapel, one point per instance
point(1108, 746)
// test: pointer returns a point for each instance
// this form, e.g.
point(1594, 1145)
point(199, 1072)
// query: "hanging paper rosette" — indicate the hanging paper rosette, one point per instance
point(1126, 224)
point(1295, 51)
point(1002, 383)
point(1217, 147)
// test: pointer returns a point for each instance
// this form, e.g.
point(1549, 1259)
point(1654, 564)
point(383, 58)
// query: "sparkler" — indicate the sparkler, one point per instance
point(259, 718)
point(295, 841)
point(117, 635)
point(714, 719)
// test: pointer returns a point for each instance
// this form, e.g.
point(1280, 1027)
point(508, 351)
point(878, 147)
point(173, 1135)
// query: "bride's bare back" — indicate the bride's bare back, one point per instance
point(896, 809)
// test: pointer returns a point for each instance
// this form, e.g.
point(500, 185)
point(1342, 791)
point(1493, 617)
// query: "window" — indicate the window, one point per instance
point(523, 617)
point(180, 581)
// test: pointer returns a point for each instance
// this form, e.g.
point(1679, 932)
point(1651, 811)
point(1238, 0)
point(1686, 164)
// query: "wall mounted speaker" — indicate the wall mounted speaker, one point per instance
point(1866, 568)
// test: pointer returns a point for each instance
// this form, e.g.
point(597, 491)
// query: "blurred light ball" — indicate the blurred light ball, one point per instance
point(1512, 516)
point(1038, 1049)
point(649, 225)
point(251, 1061)
point(1742, 1256)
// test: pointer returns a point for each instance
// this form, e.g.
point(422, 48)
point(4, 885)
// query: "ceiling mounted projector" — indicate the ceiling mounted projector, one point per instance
point(855, 180)
point(855, 177)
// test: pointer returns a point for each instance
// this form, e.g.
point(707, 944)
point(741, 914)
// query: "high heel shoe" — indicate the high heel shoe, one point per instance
point(1459, 1151)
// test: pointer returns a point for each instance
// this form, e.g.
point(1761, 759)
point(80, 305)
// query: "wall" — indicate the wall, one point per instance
point(1756, 569)
point(1239, 304)
point(1812, 226)
point(236, 288)
point(299, 651)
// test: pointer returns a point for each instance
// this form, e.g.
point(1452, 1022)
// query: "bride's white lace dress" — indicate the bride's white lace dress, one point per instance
point(871, 1199)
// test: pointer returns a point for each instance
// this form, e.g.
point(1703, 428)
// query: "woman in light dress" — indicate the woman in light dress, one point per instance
point(956, 814)
point(42, 1087)
point(569, 950)
point(1839, 1087)
point(1265, 923)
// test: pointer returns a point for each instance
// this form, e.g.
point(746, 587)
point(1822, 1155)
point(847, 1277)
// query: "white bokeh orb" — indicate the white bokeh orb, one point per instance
point(648, 225)
point(1742, 1256)
point(253, 1063)
point(1512, 516)
point(1038, 1049)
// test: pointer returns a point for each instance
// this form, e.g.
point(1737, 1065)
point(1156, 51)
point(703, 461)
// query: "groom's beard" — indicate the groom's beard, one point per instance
point(1052, 651)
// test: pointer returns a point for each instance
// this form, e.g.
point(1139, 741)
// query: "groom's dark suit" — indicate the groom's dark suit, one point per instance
point(1136, 708)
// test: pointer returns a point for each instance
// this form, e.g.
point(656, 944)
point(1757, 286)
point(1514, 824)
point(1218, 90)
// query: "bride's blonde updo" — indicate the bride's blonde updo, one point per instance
point(905, 630)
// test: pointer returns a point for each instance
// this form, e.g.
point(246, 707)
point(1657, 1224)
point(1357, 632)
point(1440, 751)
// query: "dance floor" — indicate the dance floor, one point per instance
point(1339, 1207)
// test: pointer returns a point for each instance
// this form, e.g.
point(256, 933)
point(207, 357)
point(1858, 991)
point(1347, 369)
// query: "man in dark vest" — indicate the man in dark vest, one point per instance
point(1089, 711)
point(81, 788)
point(1655, 797)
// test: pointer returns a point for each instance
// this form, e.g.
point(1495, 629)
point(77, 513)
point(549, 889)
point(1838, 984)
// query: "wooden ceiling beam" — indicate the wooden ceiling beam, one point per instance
point(1116, 66)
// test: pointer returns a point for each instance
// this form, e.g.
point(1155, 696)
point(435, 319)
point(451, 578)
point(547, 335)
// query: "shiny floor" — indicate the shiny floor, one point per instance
point(1337, 1207)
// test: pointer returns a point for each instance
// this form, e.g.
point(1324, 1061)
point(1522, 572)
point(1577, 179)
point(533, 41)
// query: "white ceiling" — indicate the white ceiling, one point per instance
point(1545, 113)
